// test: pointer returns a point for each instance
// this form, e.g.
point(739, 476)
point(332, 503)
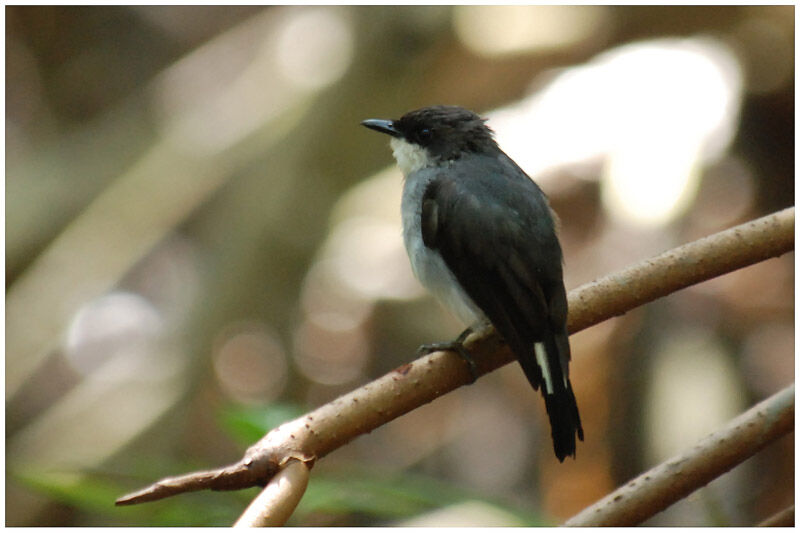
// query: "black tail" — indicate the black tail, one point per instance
point(549, 360)
point(565, 422)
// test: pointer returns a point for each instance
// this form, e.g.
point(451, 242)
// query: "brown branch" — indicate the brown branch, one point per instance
point(332, 425)
point(692, 263)
point(275, 504)
point(660, 487)
point(783, 518)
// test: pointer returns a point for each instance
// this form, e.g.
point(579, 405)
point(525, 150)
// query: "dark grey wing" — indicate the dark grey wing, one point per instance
point(494, 231)
point(496, 235)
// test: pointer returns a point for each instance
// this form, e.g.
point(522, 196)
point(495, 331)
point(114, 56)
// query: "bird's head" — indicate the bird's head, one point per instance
point(433, 135)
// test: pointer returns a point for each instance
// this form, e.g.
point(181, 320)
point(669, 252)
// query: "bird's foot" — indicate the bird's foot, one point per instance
point(457, 346)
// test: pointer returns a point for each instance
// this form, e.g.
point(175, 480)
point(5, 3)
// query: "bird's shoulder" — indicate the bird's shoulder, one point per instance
point(490, 213)
point(489, 194)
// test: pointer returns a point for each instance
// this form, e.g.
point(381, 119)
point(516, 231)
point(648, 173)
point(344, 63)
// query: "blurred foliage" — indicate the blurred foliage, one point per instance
point(198, 247)
point(340, 493)
point(93, 496)
point(249, 424)
point(390, 496)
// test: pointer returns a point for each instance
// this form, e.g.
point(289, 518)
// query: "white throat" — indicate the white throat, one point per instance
point(410, 157)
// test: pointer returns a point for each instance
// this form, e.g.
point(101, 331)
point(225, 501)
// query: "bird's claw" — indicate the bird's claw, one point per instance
point(456, 346)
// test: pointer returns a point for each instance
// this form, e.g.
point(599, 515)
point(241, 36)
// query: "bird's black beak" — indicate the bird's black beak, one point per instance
point(381, 125)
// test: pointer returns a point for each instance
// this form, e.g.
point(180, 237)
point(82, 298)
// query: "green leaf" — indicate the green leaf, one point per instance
point(95, 497)
point(74, 489)
point(249, 424)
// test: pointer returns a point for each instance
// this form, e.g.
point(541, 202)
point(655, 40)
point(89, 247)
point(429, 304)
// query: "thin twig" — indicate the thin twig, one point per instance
point(660, 487)
point(329, 427)
point(276, 503)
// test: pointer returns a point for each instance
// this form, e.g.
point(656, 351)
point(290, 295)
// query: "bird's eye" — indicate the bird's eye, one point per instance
point(424, 135)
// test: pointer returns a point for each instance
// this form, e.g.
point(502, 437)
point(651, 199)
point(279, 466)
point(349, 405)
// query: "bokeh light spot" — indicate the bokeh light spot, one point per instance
point(250, 364)
point(502, 30)
point(118, 324)
point(314, 47)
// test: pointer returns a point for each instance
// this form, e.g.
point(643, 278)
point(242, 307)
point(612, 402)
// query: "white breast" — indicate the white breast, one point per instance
point(428, 266)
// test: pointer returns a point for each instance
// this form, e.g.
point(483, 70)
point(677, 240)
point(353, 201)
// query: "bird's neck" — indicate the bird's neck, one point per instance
point(411, 157)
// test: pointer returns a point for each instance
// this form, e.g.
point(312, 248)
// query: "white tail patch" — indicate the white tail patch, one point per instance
point(541, 360)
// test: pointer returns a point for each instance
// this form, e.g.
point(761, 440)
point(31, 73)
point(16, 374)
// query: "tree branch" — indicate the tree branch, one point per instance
point(275, 504)
point(701, 260)
point(660, 487)
point(784, 518)
point(325, 429)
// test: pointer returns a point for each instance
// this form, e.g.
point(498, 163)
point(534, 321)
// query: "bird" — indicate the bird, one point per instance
point(481, 236)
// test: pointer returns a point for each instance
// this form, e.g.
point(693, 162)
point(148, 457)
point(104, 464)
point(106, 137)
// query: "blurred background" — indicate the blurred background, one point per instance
point(202, 242)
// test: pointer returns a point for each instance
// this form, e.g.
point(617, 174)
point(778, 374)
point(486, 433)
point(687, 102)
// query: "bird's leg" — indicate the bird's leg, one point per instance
point(457, 346)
